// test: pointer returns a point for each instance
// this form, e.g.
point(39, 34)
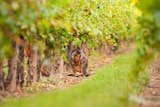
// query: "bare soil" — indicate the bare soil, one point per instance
point(151, 96)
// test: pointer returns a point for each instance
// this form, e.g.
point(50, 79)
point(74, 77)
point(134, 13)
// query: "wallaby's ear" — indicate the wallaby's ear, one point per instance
point(79, 49)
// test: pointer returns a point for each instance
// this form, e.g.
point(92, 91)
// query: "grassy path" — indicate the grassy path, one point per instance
point(109, 87)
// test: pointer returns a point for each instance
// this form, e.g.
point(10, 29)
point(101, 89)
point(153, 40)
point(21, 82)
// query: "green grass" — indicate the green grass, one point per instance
point(109, 87)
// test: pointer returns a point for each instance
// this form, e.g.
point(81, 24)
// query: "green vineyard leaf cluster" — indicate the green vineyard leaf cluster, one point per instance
point(55, 23)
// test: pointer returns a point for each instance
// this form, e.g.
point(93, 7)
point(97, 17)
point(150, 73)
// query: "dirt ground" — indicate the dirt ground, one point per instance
point(151, 96)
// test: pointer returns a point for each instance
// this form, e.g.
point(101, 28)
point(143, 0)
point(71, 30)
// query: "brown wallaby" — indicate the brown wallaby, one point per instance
point(79, 61)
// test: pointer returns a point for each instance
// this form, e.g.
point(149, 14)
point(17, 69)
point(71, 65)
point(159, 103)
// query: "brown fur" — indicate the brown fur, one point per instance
point(79, 61)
